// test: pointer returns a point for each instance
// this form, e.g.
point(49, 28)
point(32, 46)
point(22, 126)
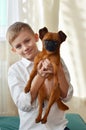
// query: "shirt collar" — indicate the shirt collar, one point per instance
point(26, 62)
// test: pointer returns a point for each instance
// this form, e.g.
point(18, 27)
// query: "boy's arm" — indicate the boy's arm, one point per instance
point(16, 85)
point(65, 82)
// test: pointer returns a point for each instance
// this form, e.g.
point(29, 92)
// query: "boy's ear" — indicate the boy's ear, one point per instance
point(36, 37)
point(13, 49)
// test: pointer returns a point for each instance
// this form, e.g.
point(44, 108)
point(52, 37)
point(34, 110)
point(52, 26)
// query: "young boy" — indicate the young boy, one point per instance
point(23, 42)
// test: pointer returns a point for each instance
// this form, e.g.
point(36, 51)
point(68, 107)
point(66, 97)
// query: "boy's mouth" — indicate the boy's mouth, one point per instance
point(28, 52)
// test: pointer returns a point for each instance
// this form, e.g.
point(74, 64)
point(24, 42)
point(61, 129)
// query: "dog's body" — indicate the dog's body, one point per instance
point(53, 54)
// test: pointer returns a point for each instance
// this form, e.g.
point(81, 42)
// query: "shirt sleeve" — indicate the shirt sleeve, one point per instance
point(16, 85)
point(70, 90)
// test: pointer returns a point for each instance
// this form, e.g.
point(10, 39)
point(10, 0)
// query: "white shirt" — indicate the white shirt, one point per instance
point(18, 76)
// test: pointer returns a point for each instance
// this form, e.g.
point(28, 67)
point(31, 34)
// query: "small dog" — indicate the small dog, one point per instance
point(51, 50)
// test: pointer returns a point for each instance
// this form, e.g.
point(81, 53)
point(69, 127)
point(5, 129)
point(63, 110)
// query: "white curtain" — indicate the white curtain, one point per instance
point(65, 15)
point(73, 22)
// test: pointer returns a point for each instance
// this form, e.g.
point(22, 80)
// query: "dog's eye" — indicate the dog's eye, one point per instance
point(57, 43)
point(46, 41)
point(51, 41)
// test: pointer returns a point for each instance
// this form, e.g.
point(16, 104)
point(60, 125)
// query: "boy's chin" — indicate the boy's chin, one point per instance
point(29, 58)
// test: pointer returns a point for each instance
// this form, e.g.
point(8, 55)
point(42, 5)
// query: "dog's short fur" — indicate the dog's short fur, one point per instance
point(51, 50)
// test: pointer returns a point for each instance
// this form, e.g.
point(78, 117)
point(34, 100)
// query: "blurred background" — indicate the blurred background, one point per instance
point(66, 15)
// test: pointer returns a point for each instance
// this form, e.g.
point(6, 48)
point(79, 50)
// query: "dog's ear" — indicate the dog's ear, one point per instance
point(62, 36)
point(42, 32)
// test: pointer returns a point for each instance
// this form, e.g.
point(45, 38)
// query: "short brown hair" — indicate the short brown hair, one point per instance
point(14, 30)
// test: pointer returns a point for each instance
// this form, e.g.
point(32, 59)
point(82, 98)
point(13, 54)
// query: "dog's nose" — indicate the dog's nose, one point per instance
point(50, 45)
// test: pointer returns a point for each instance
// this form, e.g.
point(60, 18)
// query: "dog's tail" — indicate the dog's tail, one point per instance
point(61, 105)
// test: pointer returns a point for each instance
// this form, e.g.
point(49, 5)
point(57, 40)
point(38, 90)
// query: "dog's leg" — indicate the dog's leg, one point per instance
point(53, 94)
point(52, 99)
point(32, 75)
point(50, 103)
point(60, 104)
point(41, 97)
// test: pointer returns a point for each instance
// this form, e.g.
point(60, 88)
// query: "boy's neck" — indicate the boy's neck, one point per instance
point(34, 56)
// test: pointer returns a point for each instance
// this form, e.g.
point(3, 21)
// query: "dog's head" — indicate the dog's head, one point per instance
point(51, 41)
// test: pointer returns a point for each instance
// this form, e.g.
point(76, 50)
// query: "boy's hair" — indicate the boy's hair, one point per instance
point(14, 30)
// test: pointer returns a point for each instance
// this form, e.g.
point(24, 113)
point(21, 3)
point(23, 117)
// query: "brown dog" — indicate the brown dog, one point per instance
point(51, 50)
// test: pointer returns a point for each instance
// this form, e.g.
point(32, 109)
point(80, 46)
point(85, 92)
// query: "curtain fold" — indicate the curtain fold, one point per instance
point(39, 13)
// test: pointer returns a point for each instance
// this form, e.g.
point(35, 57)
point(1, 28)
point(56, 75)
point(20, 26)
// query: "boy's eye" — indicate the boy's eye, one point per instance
point(26, 41)
point(18, 46)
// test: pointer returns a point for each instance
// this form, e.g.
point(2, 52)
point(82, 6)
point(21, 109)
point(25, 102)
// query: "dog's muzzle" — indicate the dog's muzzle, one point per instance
point(51, 45)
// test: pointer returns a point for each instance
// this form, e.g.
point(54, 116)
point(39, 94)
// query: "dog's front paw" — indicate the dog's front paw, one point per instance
point(26, 89)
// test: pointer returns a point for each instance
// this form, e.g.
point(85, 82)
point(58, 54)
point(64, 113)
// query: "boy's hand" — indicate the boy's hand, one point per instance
point(45, 68)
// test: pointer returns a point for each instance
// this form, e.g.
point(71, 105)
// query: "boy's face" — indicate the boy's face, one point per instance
point(25, 45)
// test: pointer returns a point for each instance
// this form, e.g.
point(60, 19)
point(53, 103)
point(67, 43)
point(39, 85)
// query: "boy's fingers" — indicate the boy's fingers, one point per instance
point(46, 63)
point(48, 71)
point(39, 65)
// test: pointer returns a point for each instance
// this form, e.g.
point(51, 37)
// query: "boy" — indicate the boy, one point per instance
point(23, 42)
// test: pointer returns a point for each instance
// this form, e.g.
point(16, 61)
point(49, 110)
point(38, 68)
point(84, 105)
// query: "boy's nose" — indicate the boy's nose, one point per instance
point(25, 48)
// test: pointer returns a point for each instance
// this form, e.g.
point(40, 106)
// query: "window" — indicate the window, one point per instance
point(3, 18)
